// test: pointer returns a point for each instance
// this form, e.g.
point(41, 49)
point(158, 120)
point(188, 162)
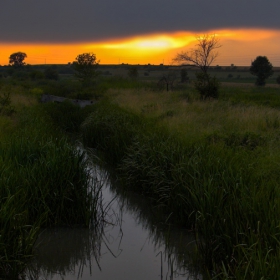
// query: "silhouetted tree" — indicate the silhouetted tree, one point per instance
point(262, 68)
point(16, 59)
point(167, 81)
point(85, 67)
point(202, 56)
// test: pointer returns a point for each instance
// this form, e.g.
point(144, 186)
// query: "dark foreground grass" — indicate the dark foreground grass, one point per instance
point(44, 181)
point(226, 190)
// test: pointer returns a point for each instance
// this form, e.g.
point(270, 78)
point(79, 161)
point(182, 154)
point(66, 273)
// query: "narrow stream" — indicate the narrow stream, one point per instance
point(131, 245)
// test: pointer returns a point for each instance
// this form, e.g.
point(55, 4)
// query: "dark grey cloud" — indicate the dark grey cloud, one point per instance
point(94, 20)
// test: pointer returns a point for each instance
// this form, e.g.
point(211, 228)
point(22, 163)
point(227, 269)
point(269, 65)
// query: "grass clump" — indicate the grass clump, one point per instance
point(110, 129)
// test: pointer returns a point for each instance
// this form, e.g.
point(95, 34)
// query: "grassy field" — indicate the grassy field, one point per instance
point(211, 166)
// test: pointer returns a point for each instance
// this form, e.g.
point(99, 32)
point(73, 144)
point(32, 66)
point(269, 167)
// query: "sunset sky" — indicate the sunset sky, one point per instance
point(138, 32)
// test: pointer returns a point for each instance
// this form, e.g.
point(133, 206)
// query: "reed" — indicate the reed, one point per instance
point(224, 186)
point(44, 181)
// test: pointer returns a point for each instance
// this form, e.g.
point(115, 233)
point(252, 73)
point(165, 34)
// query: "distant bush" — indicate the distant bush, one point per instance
point(133, 72)
point(51, 73)
point(278, 80)
point(36, 75)
point(207, 86)
point(184, 76)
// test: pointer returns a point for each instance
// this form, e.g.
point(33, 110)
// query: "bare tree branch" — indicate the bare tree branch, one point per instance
point(203, 55)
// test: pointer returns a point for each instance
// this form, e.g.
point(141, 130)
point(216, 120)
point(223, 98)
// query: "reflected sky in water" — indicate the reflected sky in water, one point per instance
point(129, 245)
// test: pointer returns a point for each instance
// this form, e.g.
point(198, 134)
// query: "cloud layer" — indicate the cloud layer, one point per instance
point(63, 21)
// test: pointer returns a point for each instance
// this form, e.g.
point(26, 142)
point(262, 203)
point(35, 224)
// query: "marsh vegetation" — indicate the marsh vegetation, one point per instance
point(211, 166)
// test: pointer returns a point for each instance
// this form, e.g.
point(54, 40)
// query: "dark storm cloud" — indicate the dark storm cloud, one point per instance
point(95, 20)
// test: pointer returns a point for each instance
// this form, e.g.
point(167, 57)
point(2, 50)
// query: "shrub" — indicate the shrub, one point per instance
point(36, 75)
point(207, 86)
point(133, 72)
point(51, 73)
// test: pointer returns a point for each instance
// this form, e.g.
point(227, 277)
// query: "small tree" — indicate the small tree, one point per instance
point(262, 68)
point(16, 59)
point(167, 81)
point(202, 56)
point(278, 80)
point(85, 67)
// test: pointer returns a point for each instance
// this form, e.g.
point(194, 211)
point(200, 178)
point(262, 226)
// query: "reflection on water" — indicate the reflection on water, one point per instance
point(128, 245)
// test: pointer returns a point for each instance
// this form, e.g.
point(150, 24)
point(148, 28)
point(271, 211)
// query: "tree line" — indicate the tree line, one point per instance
point(202, 56)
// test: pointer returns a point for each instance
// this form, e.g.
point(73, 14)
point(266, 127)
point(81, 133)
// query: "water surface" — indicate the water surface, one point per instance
point(130, 245)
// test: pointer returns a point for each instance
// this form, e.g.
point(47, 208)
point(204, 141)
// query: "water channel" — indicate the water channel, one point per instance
point(129, 245)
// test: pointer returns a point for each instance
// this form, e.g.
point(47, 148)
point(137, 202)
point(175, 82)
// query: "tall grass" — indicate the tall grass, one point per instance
point(210, 166)
point(110, 129)
point(44, 181)
point(224, 185)
point(186, 116)
point(67, 116)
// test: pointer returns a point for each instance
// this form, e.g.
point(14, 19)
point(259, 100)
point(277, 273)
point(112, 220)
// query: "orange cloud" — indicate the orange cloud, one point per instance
point(239, 46)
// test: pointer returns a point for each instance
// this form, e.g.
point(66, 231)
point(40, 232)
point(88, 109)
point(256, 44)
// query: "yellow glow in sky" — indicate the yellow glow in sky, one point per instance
point(239, 46)
point(150, 43)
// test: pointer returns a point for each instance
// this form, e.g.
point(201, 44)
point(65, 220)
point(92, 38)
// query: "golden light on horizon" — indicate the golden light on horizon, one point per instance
point(151, 42)
point(238, 46)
